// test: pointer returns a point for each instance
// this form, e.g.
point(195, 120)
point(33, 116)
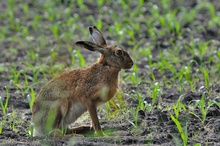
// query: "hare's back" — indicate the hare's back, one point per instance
point(61, 86)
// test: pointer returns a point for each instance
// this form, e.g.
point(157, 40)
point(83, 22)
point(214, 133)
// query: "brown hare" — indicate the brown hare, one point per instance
point(66, 97)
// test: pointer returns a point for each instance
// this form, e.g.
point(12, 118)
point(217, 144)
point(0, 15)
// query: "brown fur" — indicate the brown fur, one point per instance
point(66, 97)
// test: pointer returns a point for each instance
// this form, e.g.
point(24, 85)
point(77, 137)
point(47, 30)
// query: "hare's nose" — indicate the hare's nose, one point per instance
point(131, 64)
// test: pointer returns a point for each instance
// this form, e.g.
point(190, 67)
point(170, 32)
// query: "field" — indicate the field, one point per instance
point(171, 96)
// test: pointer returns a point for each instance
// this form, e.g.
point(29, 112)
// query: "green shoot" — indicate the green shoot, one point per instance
point(4, 106)
point(30, 131)
point(134, 114)
point(81, 58)
point(2, 123)
point(31, 98)
point(183, 132)
point(203, 109)
point(178, 107)
point(156, 92)
point(206, 77)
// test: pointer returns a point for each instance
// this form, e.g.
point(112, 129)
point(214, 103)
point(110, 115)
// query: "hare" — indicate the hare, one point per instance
point(66, 97)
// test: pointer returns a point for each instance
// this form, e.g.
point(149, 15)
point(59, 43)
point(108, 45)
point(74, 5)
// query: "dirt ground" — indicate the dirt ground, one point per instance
point(154, 128)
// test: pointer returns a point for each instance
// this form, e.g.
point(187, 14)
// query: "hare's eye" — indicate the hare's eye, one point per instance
point(118, 52)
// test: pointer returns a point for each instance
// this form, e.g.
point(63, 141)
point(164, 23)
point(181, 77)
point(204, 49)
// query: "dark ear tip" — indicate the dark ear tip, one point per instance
point(90, 30)
point(78, 43)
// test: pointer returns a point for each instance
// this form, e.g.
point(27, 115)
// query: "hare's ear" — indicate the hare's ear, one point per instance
point(97, 36)
point(91, 46)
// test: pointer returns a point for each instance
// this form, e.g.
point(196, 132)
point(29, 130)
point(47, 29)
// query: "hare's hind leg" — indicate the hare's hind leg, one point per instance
point(54, 122)
point(38, 119)
point(54, 126)
point(79, 129)
point(85, 130)
point(48, 120)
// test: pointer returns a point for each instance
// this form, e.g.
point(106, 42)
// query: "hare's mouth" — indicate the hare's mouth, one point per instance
point(129, 65)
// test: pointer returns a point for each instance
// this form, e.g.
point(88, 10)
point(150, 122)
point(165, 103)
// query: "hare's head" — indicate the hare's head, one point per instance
point(110, 55)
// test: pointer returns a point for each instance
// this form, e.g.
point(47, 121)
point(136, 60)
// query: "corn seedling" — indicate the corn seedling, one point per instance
point(182, 131)
point(15, 77)
point(202, 47)
point(14, 121)
point(155, 92)
point(71, 54)
point(135, 79)
point(31, 98)
point(55, 30)
point(188, 16)
point(81, 58)
point(2, 123)
point(203, 108)
point(185, 73)
point(180, 79)
point(206, 77)
point(112, 107)
point(178, 107)
point(142, 105)
point(4, 106)
point(209, 6)
point(53, 55)
point(30, 131)
point(214, 102)
point(202, 105)
point(32, 55)
point(135, 116)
